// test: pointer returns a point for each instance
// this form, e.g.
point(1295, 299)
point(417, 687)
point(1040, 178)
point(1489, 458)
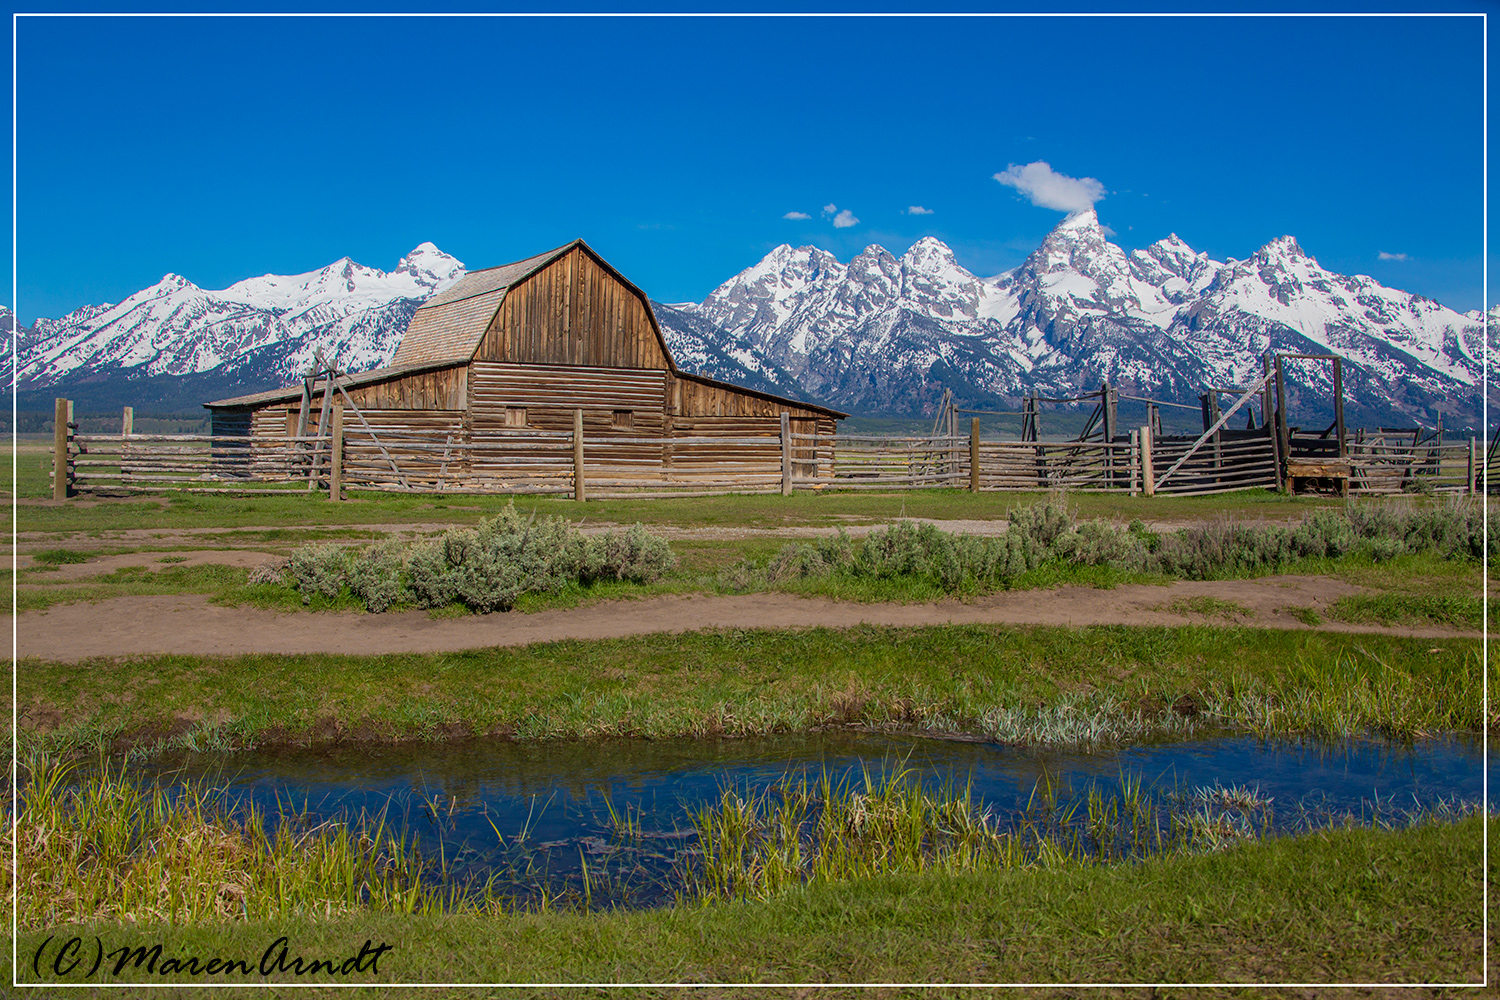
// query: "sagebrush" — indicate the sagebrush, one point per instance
point(1050, 532)
point(487, 567)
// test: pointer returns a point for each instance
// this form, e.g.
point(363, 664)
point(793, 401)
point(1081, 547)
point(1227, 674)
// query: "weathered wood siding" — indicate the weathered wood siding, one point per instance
point(691, 398)
point(617, 403)
point(573, 312)
point(441, 389)
point(550, 394)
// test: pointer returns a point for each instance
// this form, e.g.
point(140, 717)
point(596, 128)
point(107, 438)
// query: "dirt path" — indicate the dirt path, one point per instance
point(188, 624)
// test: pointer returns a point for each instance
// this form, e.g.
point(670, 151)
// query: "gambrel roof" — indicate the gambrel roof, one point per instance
point(448, 327)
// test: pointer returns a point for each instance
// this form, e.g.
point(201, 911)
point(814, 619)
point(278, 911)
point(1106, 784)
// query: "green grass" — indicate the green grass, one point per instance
point(62, 557)
point(111, 849)
point(1346, 905)
point(1210, 607)
point(1396, 608)
point(224, 582)
point(1026, 684)
point(1305, 615)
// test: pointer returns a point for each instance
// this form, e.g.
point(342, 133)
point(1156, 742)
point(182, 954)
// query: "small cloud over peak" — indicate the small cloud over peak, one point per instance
point(830, 208)
point(917, 210)
point(844, 220)
point(1393, 256)
point(796, 215)
point(1049, 189)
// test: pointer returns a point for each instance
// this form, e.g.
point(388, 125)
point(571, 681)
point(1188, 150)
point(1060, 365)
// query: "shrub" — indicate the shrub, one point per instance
point(796, 562)
point(634, 555)
point(1042, 523)
point(268, 572)
point(487, 567)
point(318, 569)
point(376, 576)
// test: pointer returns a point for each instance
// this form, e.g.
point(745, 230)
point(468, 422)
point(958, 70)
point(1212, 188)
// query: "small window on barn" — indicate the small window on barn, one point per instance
point(515, 416)
point(624, 419)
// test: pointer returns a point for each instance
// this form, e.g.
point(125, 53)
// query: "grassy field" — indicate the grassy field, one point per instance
point(1345, 905)
point(1340, 905)
point(1023, 684)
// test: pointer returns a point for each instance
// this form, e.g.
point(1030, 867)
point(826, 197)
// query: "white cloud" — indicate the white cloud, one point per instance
point(844, 220)
point(918, 210)
point(830, 208)
point(796, 215)
point(1393, 256)
point(1049, 189)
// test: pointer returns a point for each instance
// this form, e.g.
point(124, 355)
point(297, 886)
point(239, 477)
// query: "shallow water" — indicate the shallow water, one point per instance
point(537, 814)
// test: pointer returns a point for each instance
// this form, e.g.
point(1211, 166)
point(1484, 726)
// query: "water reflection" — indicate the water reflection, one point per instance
point(538, 814)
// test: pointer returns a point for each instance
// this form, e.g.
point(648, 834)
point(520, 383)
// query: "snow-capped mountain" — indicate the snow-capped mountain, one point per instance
point(889, 334)
point(256, 333)
point(881, 334)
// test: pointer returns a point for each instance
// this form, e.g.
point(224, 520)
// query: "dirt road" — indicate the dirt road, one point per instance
point(189, 624)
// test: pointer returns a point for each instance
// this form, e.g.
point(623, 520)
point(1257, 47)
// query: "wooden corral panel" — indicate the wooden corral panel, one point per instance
point(428, 446)
point(573, 312)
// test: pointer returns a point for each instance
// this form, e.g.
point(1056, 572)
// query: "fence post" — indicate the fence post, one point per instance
point(1135, 462)
point(578, 489)
point(336, 461)
point(974, 455)
point(786, 453)
point(127, 427)
point(1148, 473)
point(62, 415)
point(1472, 451)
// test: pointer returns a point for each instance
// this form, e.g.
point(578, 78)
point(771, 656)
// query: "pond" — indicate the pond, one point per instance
point(612, 822)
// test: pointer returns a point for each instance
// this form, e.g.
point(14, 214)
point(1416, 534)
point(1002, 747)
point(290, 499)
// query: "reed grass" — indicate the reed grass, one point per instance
point(1351, 693)
point(810, 831)
point(107, 848)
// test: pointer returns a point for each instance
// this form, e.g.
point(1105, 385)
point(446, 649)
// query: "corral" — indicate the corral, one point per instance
point(551, 375)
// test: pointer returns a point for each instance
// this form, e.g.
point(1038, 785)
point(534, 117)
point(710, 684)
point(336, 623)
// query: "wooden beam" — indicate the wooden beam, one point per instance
point(1148, 473)
point(578, 487)
point(974, 455)
point(62, 411)
point(336, 463)
point(1283, 431)
point(786, 453)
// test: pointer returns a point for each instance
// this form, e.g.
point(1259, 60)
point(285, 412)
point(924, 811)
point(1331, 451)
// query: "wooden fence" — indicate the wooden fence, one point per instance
point(519, 461)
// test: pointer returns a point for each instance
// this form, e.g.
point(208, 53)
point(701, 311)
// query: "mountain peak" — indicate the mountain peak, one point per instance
point(1086, 219)
point(170, 283)
point(929, 253)
point(430, 266)
point(1286, 246)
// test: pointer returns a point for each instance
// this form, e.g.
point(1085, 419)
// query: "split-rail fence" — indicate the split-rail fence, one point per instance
point(522, 461)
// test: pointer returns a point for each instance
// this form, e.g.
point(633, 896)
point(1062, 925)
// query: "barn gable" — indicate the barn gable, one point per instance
point(566, 306)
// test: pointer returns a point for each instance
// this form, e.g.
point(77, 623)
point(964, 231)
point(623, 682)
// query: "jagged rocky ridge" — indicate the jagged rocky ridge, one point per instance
point(881, 334)
point(889, 334)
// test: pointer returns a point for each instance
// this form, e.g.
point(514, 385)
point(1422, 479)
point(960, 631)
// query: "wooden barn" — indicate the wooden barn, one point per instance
point(492, 372)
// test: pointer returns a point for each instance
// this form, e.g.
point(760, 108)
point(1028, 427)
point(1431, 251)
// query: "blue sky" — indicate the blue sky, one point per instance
point(221, 148)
